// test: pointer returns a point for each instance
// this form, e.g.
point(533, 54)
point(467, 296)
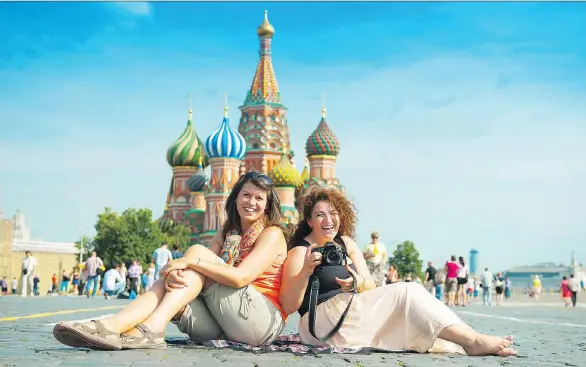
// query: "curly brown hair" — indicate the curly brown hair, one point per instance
point(346, 211)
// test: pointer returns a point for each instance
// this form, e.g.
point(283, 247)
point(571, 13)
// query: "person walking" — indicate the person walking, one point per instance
point(161, 257)
point(29, 264)
point(486, 278)
point(462, 276)
point(134, 273)
point(537, 287)
point(92, 264)
point(14, 285)
point(177, 254)
point(429, 280)
point(375, 256)
point(4, 286)
point(64, 287)
point(36, 281)
point(565, 290)
point(574, 286)
point(451, 271)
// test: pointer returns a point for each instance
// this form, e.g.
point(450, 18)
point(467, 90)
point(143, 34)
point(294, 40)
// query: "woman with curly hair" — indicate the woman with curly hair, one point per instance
point(229, 291)
point(401, 316)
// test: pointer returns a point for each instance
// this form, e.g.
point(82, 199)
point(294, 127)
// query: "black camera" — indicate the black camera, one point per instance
point(332, 254)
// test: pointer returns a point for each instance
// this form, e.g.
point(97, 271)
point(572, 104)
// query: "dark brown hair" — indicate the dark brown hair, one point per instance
point(272, 214)
point(344, 207)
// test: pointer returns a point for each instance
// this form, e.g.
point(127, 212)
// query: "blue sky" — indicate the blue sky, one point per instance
point(461, 124)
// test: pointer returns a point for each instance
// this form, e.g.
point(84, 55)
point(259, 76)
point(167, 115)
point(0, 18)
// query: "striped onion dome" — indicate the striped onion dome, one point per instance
point(188, 149)
point(166, 222)
point(225, 142)
point(197, 182)
point(284, 174)
point(322, 141)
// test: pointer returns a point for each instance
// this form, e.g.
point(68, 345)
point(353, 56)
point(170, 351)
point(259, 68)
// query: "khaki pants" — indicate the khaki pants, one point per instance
point(221, 312)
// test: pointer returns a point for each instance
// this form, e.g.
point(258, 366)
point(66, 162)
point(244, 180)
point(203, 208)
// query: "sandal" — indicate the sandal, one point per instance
point(148, 339)
point(93, 335)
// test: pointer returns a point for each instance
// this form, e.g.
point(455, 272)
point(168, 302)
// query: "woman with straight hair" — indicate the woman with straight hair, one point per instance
point(395, 317)
point(462, 277)
point(229, 291)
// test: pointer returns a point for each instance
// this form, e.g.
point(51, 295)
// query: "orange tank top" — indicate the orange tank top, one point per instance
point(269, 284)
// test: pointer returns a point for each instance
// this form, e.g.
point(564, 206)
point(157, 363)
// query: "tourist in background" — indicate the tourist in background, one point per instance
point(151, 275)
point(75, 282)
point(36, 281)
point(134, 275)
point(177, 254)
point(565, 291)
point(14, 285)
point(392, 275)
point(440, 281)
point(64, 287)
point(471, 286)
point(4, 286)
point(29, 264)
point(574, 287)
point(123, 271)
point(92, 265)
point(429, 279)
point(508, 287)
point(537, 287)
point(161, 257)
point(486, 278)
point(451, 270)
point(462, 276)
point(113, 282)
point(375, 256)
point(499, 288)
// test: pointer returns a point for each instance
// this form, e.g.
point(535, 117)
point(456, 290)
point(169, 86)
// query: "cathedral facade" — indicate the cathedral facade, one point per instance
point(260, 143)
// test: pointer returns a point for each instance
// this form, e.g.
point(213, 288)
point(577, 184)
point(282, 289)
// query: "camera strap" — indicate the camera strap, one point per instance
point(314, 291)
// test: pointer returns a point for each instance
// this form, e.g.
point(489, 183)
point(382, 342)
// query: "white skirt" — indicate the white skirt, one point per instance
point(394, 317)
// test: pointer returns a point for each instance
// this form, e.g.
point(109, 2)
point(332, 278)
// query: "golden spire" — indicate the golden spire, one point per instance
point(265, 29)
point(190, 112)
point(323, 105)
point(226, 105)
point(199, 162)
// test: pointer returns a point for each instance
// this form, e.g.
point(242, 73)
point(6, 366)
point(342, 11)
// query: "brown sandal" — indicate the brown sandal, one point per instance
point(148, 339)
point(93, 335)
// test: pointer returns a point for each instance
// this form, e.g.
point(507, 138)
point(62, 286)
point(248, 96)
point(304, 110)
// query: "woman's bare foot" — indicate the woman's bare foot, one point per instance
point(485, 345)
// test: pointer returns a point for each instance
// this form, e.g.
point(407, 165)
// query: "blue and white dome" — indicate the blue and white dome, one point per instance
point(225, 142)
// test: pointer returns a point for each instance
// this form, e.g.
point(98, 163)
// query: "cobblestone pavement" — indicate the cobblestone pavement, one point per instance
point(546, 335)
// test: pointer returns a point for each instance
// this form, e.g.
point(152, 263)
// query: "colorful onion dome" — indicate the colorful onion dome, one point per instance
point(197, 182)
point(322, 141)
point(188, 149)
point(265, 29)
point(225, 142)
point(166, 222)
point(305, 174)
point(284, 174)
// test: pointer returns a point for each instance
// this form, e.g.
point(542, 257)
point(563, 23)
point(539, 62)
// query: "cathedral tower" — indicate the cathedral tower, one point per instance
point(195, 216)
point(183, 156)
point(263, 123)
point(225, 148)
point(322, 148)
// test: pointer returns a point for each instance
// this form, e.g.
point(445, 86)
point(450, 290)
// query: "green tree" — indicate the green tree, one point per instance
point(133, 235)
point(406, 259)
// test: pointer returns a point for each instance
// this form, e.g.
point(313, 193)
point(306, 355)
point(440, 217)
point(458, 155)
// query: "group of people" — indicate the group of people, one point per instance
point(569, 289)
point(255, 274)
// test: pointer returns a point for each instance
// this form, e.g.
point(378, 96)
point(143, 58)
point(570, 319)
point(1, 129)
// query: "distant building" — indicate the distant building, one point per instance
point(53, 257)
point(550, 274)
point(473, 261)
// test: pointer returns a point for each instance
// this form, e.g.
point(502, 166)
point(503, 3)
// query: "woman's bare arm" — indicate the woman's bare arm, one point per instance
point(295, 279)
point(269, 245)
point(361, 268)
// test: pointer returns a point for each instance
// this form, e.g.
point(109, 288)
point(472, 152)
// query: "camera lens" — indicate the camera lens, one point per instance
point(333, 258)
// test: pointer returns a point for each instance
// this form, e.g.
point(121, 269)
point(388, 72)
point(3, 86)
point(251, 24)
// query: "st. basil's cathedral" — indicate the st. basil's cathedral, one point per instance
point(261, 144)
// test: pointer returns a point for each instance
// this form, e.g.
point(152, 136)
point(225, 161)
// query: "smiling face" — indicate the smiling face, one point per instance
point(324, 222)
point(251, 203)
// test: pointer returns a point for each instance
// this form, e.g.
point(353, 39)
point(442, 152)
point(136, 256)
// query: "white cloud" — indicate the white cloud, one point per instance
point(139, 8)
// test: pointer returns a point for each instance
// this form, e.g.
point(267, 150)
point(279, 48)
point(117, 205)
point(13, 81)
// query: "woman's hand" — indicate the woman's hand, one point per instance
point(347, 284)
point(175, 280)
point(172, 265)
point(312, 259)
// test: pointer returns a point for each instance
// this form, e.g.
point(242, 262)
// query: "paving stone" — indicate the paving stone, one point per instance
point(547, 335)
